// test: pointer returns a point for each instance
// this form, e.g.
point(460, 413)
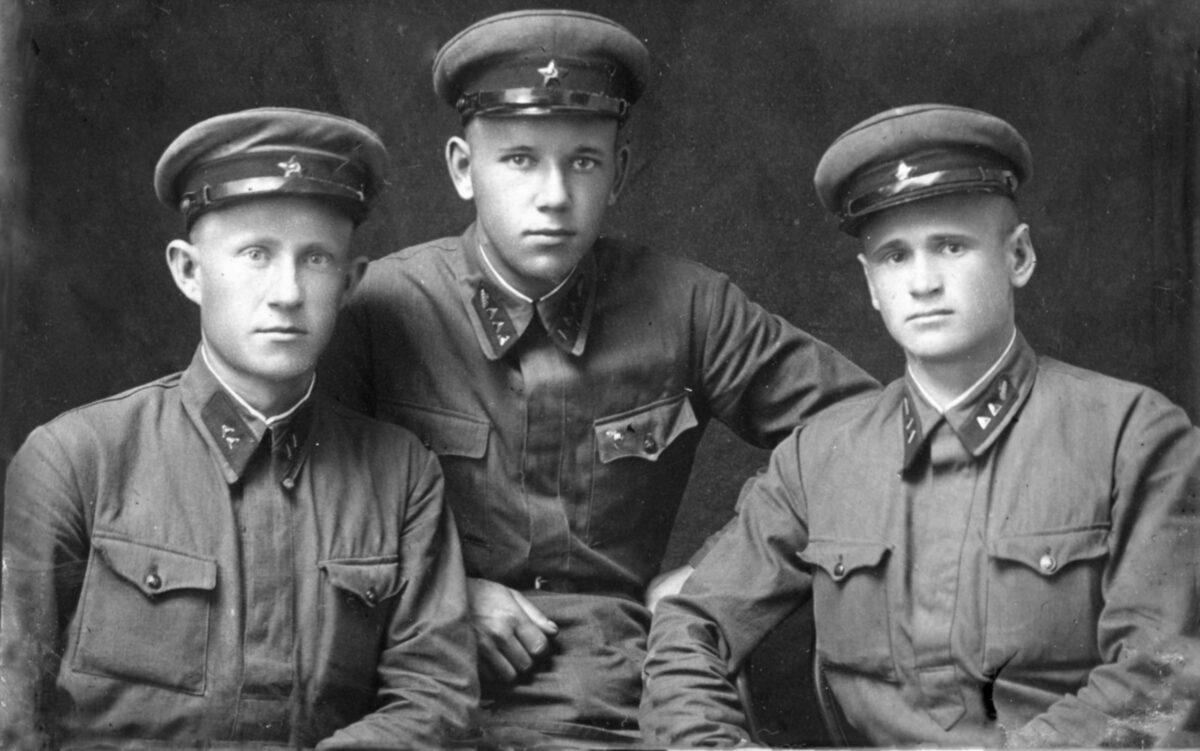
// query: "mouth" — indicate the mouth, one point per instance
point(555, 233)
point(926, 315)
point(282, 331)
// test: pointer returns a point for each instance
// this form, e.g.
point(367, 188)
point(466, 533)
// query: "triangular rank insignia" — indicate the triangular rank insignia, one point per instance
point(983, 421)
point(993, 408)
point(496, 324)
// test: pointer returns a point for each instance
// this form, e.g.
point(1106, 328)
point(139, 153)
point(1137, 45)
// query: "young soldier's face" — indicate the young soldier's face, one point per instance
point(270, 276)
point(541, 186)
point(942, 271)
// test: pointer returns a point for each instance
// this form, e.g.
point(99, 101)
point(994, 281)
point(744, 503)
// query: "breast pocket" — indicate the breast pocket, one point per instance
point(144, 614)
point(850, 604)
point(460, 442)
point(358, 599)
point(644, 454)
point(1044, 596)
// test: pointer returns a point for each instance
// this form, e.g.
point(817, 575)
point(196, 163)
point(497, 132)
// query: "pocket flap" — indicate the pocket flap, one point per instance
point(154, 570)
point(644, 432)
point(839, 558)
point(442, 431)
point(372, 580)
point(1050, 552)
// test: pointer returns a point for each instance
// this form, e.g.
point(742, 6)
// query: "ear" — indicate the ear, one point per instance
point(354, 274)
point(622, 172)
point(1021, 256)
point(870, 284)
point(458, 162)
point(183, 259)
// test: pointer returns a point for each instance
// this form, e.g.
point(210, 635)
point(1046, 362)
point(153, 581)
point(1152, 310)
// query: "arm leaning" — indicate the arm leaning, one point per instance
point(749, 581)
point(1147, 626)
point(761, 375)
point(44, 556)
point(427, 670)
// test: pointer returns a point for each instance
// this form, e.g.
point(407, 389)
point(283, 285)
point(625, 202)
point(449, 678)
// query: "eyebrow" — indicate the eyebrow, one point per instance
point(888, 246)
point(957, 237)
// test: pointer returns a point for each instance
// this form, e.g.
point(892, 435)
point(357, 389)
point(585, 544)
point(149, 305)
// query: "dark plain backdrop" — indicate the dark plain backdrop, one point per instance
point(743, 100)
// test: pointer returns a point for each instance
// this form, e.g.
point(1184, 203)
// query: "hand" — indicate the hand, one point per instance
point(666, 583)
point(512, 632)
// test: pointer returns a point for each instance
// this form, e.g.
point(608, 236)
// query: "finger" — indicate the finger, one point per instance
point(515, 653)
point(491, 660)
point(531, 611)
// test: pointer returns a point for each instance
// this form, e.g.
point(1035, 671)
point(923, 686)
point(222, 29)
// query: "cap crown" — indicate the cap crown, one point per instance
point(542, 62)
point(917, 152)
point(272, 151)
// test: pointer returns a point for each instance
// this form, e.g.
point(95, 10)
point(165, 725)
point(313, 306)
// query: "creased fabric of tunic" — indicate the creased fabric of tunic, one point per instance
point(1022, 569)
point(567, 428)
point(175, 570)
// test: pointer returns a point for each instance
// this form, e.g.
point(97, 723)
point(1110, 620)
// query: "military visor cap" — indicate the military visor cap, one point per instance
point(542, 62)
point(916, 152)
point(272, 151)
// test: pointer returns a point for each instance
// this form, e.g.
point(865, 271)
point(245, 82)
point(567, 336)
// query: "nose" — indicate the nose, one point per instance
point(285, 290)
point(554, 193)
point(925, 277)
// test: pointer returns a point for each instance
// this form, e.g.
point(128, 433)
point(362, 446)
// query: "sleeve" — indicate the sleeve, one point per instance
point(428, 676)
point(712, 539)
point(749, 582)
point(762, 376)
point(44, 556)
point(344, 369)
point(1147, 625)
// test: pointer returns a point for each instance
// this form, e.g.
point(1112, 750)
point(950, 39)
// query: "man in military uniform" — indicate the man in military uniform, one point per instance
point(223, 555)
point(1001, 548)
point(563, 379)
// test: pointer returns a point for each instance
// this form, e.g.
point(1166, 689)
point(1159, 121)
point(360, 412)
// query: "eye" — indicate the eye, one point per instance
point(584, 164)
point(254, 254)
point(520, 161)
point(951, 248)
point(894, 257)
point(319, 258)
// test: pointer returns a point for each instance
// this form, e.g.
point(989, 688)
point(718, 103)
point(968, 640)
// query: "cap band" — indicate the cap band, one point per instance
point(273, 172)
point(533, 100)
point(967, 179)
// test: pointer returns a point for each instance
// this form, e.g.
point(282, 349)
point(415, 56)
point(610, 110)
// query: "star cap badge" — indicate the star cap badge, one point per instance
point(903, 170)
point(551, 74)
point(291, 167)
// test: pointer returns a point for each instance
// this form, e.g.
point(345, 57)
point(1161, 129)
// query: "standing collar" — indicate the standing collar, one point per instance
point(233, 429)
point(980, 414)
point(501, 314)
point(257, 418)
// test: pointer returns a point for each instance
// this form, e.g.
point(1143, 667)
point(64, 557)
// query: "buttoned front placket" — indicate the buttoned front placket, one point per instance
point(943, 511)
point(265, 463)
point(536, 341)
point(947, 477)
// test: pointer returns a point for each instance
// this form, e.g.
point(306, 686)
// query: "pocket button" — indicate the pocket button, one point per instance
point(1047, 563)
point(153, 581)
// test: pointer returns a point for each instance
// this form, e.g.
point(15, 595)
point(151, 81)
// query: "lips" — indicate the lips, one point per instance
point(550, 232)
point(282, 330)
point(926, 314)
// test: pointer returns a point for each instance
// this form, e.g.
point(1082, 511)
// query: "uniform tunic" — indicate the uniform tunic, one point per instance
point(567, 427)
point(1020, 569)
point(176, 570)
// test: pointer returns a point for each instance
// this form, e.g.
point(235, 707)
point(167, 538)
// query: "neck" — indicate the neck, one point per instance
point(520, 291)
point(266, 401)
point(946, 381)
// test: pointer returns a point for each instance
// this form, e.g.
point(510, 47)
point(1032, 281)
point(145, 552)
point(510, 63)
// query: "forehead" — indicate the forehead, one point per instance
point(554, 130)
point(971, 214)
